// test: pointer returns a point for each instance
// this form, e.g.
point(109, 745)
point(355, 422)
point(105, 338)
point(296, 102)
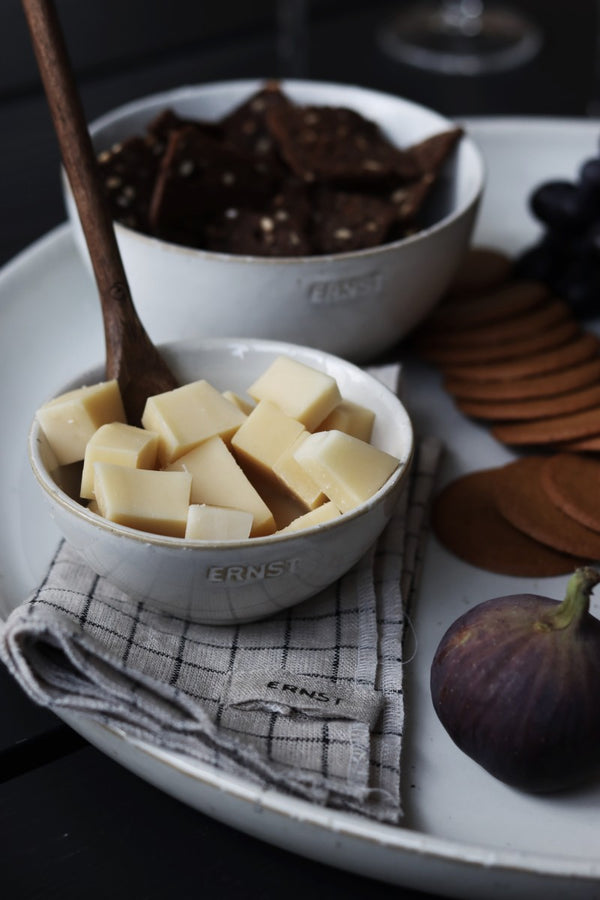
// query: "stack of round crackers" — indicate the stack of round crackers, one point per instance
point(516, 358)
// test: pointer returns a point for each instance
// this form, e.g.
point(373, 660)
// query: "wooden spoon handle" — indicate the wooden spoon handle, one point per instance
point(77, 151)
point(125, 336)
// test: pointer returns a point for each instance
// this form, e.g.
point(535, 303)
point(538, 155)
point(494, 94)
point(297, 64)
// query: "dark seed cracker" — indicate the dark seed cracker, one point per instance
point(344, 221)
point(245, 127)
point(249, 233)
point(168, 121)
point(200, 176)
point(432, 152)
point(128, 172)
point(335, 144)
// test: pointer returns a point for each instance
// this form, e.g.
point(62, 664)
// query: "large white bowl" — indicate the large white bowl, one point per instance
point(192, 578)
point(356, 304)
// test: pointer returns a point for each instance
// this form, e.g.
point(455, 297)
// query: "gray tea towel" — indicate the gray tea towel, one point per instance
point(308, 702)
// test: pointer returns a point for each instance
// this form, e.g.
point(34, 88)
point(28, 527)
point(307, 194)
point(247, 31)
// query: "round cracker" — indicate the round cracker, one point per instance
point(548, 385)
point(482, 269)
point(589, 444)
point(556, 430)
point(522, 500)
point(530, 410)
point(484, 309)
point(573, 484)
point(465, 519)
point(574, 351)
point(549, 338)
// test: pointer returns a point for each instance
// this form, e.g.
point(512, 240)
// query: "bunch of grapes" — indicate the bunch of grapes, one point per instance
point(567, 256)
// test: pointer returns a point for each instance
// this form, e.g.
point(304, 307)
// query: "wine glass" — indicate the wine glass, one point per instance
point(460, 37)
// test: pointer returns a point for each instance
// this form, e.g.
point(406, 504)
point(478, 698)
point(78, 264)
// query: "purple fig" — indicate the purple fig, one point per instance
point(515, 681)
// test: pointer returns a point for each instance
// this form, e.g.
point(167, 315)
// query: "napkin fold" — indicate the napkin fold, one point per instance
point(308, 702)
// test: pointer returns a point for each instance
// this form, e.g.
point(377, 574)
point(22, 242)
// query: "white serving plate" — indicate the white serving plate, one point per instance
point(464, 835)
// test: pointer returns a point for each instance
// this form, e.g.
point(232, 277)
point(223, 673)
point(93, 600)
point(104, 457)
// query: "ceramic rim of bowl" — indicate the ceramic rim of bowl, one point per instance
point(55, 492)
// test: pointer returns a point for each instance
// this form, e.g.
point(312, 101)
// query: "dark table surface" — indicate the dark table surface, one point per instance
point(72, 821)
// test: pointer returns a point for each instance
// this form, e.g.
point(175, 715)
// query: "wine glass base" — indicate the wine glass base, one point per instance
point(430, 37)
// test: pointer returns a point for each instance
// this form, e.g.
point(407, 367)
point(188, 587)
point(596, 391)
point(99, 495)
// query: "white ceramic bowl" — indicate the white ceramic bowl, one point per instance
point(202, 580)
point(356, 304)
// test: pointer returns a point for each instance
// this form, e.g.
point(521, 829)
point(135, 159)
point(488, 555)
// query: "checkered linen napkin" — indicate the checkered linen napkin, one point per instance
point(308, 702)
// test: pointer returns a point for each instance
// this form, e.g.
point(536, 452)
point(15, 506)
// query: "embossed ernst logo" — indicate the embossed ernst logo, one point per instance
point(318, 696)
point(344, 290)
point(242, 574)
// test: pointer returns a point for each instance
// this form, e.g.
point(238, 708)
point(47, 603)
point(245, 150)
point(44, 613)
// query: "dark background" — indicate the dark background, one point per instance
point(72, 822)
point(123, 49)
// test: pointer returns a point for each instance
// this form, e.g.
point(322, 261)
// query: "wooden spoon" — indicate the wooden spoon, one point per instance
point(131, 357)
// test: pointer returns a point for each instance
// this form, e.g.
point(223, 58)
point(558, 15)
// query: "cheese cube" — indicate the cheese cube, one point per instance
point(188, 415)
point(143, 498)
point(347, 470)
point(282, 504)
point(216, 523)
point(296, 479)
point(265, 435)
point(352, 418)
point(245, 405)
point(124, 445)
point(217, 480)
point(299, 390)
point(324, 513)
point(69, 421)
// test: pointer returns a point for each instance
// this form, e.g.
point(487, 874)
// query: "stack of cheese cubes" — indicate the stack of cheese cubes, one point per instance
point(209, 465)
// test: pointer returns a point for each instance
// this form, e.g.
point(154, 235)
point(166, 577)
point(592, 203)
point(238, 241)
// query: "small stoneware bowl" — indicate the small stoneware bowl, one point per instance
point(355, 304)
point(233, 581)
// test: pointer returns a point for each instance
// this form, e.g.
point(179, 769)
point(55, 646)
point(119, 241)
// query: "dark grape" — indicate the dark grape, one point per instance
point(592, 239)
point(579, 286)
point(563, 206)
point(589, 174)
point(542, 261)
point(566, 256)
point(585, 244)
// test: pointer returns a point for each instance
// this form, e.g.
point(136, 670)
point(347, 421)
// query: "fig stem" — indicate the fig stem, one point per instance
point(577, 599)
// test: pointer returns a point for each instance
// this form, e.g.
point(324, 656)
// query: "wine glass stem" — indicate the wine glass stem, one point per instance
point(292, 37)
point(462, 16)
